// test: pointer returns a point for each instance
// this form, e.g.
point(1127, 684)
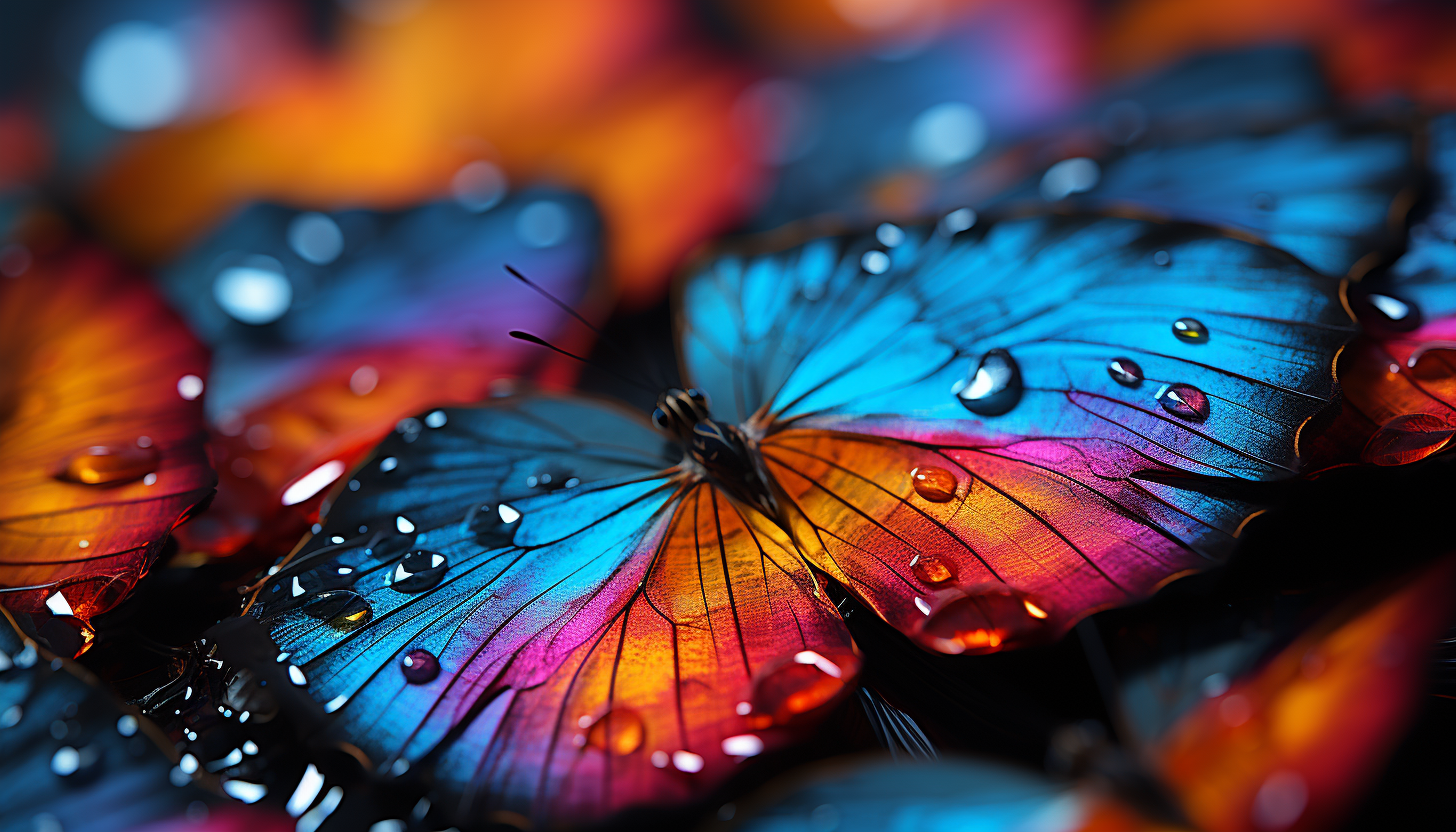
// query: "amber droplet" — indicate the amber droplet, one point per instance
point(799, 684)
point(343, 610)
point(619, 732)
point(982, 619)
point(934, 484)
point(109, 464)
point(1408, 438)
point(1190, 330)
point(933, 569)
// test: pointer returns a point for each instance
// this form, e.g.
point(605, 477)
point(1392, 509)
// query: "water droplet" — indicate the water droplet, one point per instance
point(1162, 258)
point(344, 610)
point(419, 667)
point(933, 569)
point(508, 515)
point(799, 684)
point(1387, 312)
point(1125, 371)
point(1407, 438)
point(934, 484)
point(982, 619)
point(1184, 401)
point(419, 571)
point(619, 731)
point(1190, 330)
point(993, 387)
point(109, 464)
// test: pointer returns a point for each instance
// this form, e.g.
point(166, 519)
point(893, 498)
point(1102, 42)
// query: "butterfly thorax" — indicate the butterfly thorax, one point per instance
point(720, 451)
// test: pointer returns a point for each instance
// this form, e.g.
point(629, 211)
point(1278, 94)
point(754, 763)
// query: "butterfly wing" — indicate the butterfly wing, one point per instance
point(372, 317)
point(101, 428)
point(589, 632)
point(1068, 482)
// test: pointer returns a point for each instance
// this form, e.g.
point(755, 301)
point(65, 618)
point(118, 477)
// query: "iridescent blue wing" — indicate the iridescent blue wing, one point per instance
point(988, 434)
point(327, 329)
point(532, 604)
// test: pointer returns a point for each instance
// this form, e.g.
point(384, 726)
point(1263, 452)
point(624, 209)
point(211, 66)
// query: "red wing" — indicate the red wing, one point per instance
point(101, 438)
point(1287, 747)
point(976, 549)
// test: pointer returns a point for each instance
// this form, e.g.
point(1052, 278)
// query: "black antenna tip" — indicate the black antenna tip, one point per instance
point(526, 336)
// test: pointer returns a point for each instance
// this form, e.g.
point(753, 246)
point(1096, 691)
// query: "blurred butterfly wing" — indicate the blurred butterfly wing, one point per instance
point(1077, 494)
point(596, 620)
point(383, 316)
point(101, 430)
point(1293, 745)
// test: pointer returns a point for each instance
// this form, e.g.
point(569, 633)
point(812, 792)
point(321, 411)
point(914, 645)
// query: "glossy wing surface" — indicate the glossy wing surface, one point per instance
point(530, 600)
point(101, 432)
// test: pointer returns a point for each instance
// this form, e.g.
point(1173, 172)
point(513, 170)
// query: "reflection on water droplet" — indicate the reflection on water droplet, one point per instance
point(934, 484)
point(619, 731)
point(1408, 438)
point(875, 262)
point(344, 610)
point(1391, 313)
point(933, 569)
point(1184, 401)
point(982, 619)
point(993, 387)
point(109, 464)
point(419, 571)
point(1125, 371)
point(799, 684)
point(1190, 330)
point(419, 667)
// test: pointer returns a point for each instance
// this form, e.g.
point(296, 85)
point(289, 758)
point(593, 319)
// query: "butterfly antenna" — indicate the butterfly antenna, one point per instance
point(542, 342)
point(566, 307)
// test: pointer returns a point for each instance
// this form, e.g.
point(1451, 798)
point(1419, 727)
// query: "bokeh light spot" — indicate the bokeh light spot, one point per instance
point(947, 134)
point(543, 224)
point(135, 76)
point(254, 294)
point(315, 238)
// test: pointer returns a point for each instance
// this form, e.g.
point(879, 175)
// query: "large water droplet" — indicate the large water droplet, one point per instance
point(1184, 401)
point(1125, 371)
point(933, 569)
point(982, 619)
point(419, 667)
point(993, 387)
point(934, 484)
point(799, 684)
point(618, 732)
point(419, 571)
point(1190, 330)
point(1408, 438)
point(344, 610)
point(1387, 312)
point(109, 464)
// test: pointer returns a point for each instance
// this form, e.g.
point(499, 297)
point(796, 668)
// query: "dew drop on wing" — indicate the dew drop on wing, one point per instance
point(798, 684)
point(419, 667)
point(419, 571)
point(109, 464)
point(1125, 371)
point(1190, 331)
point(982, 619)
point(1407, 438)
point(933, 569)
point(1185, 401)
point(618, 732)
point(934, 484)
point(993, 386)
point(344, 610)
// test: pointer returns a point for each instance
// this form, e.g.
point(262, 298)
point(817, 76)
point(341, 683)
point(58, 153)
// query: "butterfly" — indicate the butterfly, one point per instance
point(1399, 377)
point(327, 330)
point(1291, 744)
point(73, 758)
point(984, 431)
point(101, 430)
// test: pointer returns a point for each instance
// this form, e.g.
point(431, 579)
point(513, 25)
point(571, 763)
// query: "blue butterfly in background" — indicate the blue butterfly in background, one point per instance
point(554, 607)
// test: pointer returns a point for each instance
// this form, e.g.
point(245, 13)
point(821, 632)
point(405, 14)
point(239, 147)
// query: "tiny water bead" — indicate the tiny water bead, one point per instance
point(993, 387)
point(618, 732)
point(933, 569)
point(419, 667)
point(1184, 401)
point(419, 571)
point(109, 464)
point(982, 619)
point(1190, 331)
point(801, 683)
point(934, 484)
point(1125, 371)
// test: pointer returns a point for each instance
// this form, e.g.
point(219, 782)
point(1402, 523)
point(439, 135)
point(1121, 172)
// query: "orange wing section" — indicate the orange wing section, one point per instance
point(101, 437)
point(974, 550)
point(1288, 747)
